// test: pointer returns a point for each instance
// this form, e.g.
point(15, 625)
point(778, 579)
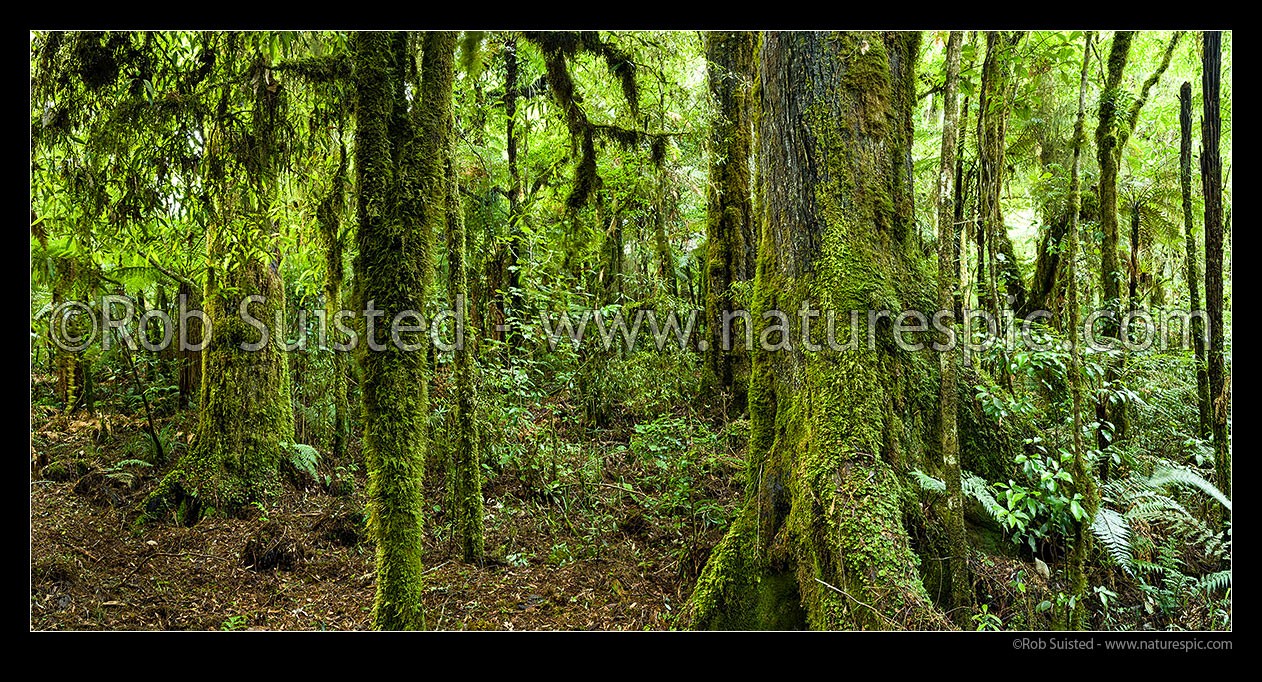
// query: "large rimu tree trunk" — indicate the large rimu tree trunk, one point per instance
point(820, 540)
point(246, 416)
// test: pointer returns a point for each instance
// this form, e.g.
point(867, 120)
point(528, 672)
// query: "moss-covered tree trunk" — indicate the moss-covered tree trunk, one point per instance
point(402, 189)
point(246, 412)
point(1212, 184)
point(1107, 154)
point(1132, 285)
point(820, 541)
point(67, 327)
point(1193, 276)
point(729, 210)
point(991, 133)
point(960, 192)
point(663, 200)
point(509, 297)
point(329, 217)
point(1047, 284)
point(1084, 477)
point(188, 361)
point(1007, 267)
point(961, 598)
point(467, 464)
point(1108, 148)
point(614, 253)
point(661, 242)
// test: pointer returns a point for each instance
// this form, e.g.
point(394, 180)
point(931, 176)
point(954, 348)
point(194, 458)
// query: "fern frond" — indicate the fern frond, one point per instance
point(1110, 527)
point(1148, 567)
point(132, 463)
point(304, 458)
point(977, 488)
point(1215, 583)
point(928, 482)
point(1165, 475)
point(1153, 507)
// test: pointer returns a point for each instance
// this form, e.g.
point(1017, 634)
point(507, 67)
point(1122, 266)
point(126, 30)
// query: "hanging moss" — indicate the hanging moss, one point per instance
point(326, 69)
point(558, 47)
point(245, 412)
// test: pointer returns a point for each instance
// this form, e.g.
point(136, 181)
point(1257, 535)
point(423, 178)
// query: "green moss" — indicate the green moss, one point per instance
point(65, 470)
point(729, 212)
point(728, 583)
point(398, 213)
point(245, 411)
point(831, 431)
point(467, 488)
point(988, 446)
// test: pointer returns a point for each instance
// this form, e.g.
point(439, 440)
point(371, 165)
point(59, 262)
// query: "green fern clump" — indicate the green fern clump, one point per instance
point(303, 458)
point(119, 472)
point(1215, 583)
point(1168, 581)
point(977, 488)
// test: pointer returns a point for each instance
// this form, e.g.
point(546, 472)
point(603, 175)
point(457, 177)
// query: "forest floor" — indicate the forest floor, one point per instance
point(602, 560)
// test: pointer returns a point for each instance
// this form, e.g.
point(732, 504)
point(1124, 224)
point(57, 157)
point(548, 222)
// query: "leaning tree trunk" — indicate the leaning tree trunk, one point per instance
point(1212, 185)
point(246, 414)
point(820, 540)
point(729, 211)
